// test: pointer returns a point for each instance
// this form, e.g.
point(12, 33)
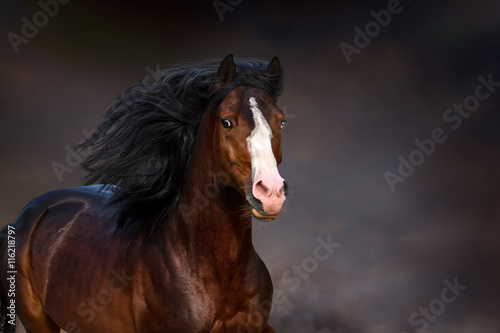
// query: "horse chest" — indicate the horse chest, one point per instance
point(232, 313)
point(209, 303)
point(206, 313)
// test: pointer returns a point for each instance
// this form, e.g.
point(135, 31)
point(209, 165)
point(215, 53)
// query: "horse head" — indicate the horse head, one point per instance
point(248, 136)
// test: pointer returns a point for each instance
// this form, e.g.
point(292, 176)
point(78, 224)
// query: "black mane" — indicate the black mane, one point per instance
point(145, 139)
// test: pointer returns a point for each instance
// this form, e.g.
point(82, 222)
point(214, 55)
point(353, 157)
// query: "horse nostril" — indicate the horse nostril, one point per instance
point(282, 190)
point(261, 189)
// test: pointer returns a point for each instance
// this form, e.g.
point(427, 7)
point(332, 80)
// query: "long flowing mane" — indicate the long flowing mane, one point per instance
point(144, 142)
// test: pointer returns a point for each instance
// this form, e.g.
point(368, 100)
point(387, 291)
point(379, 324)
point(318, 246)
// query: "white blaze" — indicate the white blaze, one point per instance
point(259, 141)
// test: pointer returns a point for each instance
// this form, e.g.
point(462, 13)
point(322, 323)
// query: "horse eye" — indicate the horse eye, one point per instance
point(283, 123)
point(226, 123)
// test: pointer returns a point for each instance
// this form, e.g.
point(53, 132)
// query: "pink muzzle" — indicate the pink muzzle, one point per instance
point(270, 189)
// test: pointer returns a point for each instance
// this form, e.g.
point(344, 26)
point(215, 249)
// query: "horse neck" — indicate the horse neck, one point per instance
point(210, 215)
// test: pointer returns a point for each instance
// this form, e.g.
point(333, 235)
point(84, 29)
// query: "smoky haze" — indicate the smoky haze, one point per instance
point(391, 151)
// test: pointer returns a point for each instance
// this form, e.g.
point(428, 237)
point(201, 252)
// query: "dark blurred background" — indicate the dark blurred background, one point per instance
point(349, 123)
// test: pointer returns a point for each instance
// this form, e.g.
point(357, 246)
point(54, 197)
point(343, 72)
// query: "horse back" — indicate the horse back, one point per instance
point(45, 219)
point(66, 238)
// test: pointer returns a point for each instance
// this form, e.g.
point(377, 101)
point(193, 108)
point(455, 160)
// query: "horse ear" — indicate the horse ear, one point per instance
point(274, 66)
point(226, 71)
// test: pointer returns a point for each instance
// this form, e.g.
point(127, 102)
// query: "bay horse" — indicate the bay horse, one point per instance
point(185, 159)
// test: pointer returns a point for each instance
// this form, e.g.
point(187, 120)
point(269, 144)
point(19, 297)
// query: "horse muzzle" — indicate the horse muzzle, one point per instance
point(267, 196)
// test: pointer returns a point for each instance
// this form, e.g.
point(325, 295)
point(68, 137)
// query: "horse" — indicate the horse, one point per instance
point(159, 240)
